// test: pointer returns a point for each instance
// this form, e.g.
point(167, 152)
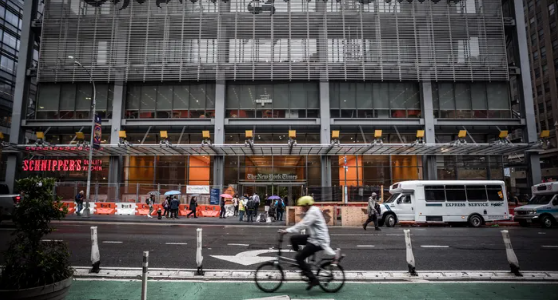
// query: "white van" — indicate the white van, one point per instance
point(542, 207)
point(471, 201)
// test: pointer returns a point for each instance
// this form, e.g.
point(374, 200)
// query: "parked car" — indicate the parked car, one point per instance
point(7, 202)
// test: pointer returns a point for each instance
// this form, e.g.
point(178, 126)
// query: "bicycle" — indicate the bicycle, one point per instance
point(327, 270)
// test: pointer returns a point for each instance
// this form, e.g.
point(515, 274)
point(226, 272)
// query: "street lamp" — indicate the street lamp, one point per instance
point(93, 104)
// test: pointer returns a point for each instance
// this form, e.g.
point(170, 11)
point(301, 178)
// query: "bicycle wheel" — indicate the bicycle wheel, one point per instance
point(269, 277)
point(331, 277)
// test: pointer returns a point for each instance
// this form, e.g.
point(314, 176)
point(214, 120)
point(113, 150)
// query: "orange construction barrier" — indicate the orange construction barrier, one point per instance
point(142, 209)
point(105, 208)
point(209, 210)
point(71, 207)
point(155, 207)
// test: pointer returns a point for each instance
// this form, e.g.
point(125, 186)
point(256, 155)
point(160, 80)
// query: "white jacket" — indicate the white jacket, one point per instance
point(316, 225)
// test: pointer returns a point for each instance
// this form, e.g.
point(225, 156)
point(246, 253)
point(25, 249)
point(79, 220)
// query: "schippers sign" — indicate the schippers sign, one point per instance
point(125, 3)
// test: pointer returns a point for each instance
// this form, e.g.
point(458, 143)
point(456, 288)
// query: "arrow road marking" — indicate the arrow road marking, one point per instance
point(247, 258)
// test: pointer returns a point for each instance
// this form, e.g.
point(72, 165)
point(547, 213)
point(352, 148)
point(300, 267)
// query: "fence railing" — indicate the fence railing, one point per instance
point(139, 192)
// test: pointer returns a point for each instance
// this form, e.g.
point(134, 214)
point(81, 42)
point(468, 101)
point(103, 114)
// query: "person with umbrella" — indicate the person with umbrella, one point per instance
point(193, 206)
point(150, 201)
point(271, 206)
point(223, 214)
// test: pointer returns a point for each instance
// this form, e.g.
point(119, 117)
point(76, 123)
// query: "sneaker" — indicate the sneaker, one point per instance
point(364, 226)
point(378, 229)
point(149, 216)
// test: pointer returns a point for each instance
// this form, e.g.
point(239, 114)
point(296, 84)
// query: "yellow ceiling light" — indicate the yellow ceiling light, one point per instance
point(164, 134)
point(292, 134)
point(377, 134)
point(122, 134)
point(80, 136)
point(205, 134)
point(462, 134)
point(335, 134)
point(40, 135)
point(249, 134)
point(503, 134)
point(545, 134)
point(420, 134)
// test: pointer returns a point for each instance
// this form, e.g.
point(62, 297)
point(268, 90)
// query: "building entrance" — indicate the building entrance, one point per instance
point(291, 190)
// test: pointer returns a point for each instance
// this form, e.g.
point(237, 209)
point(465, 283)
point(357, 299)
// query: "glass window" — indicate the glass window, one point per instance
point(455, 193)
point(434, 193)
point(49, 97)
point(67, 101)
point(495, 193)
point(10, 40)
point(476, 193)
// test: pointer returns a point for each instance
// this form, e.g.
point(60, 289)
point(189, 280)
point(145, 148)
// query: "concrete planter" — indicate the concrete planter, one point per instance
point(55, 291)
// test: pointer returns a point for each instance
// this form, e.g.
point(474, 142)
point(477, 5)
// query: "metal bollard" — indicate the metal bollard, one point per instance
point(512, 258)
point(95, 255)
point(144, 275)
point(410, 256)
point(199, 257)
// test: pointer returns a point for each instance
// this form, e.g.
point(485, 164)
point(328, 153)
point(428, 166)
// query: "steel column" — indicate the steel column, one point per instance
point(428, 161)
point(530, 130)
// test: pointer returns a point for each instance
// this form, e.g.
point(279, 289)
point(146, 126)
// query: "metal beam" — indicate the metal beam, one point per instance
point(480, 122)
point(168, 122)
point(61, 123)
point(271, 122)
point(377, 122)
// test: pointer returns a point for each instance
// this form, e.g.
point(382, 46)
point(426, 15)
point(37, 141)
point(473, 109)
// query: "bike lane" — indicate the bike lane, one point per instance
point(124, 290)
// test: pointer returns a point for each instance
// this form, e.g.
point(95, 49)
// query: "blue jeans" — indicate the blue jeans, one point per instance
point(280, 215)
point(79, 208)
point(241, 215)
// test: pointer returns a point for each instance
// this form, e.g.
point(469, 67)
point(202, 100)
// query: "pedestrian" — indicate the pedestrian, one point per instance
point(235, 201)
point(251, 205)
point(166, 207)
point(193, 206)
point(267, 205)
point(373, 211)
point(79, 202)
point(280, 206)
point(241, 209)
point(256, 198)
point(174, 207)
point(223, 213)
point(513, 198)
point(286, 200)
point(150, 201)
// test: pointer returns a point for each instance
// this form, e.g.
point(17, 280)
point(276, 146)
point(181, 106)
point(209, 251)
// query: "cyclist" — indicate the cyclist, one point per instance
point(316, 240)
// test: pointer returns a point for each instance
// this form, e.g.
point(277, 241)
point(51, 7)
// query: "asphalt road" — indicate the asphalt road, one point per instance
point(174, 246)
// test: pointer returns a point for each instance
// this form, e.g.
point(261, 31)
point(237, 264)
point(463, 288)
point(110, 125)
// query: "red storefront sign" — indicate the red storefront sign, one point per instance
point(54, 165)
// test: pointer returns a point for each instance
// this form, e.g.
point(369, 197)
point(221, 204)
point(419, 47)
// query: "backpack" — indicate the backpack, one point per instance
point(280, 205)
point(262, 218)
point(251, 204)
point(377, 208)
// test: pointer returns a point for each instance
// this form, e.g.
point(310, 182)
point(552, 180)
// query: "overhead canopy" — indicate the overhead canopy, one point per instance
point(276, 149)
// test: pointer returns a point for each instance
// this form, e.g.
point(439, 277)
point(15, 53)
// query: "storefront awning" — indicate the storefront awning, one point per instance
point(276, 149)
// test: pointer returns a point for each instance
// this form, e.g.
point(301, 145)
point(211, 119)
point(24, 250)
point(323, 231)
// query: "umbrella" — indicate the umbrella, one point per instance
point(170, 193)
point(226, 196)
point(274, 197)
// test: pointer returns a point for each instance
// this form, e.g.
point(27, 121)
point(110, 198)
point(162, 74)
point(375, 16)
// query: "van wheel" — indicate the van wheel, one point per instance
point(475, 221)
point(546, 222)
point(390, 220)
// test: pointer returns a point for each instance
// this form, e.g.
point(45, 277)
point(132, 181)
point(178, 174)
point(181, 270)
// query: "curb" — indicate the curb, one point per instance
point(351, 276)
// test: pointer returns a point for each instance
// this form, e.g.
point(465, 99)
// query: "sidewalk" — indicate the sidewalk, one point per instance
point(124, 290)
point(181, 220)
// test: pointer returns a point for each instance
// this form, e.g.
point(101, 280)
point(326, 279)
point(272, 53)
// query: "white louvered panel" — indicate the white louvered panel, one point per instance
point(303, 40)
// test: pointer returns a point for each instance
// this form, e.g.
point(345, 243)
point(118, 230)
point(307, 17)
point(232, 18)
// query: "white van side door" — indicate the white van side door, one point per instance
point(406, 208)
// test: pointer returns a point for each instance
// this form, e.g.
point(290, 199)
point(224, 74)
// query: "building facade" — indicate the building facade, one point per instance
point(541, 17)
point(296, 96)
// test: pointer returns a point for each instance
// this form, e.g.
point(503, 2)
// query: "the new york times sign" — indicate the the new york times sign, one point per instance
point(254, 6)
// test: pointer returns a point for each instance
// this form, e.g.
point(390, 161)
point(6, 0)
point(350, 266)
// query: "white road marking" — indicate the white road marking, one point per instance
point(542, 232)
point(175, 243)
point(51, 240)
point(550, 246)
point(244, 245)
point(434, 246)
point(112, 242)
point(365, 246)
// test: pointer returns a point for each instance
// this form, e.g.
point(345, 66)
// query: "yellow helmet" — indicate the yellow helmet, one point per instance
point(305, 200)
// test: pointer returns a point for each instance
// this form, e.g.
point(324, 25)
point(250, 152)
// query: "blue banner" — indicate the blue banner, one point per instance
point(214, 200)
point(97, 136)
